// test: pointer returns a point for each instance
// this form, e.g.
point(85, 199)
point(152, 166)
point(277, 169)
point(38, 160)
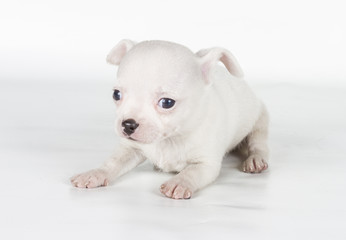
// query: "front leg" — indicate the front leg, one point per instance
point(195, 176)
point(123, 161)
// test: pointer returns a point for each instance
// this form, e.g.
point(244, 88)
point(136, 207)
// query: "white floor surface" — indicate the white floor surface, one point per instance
point(51, 131)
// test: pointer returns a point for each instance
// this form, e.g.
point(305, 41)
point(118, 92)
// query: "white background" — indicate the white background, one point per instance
point(302, 41)
point(57, 120)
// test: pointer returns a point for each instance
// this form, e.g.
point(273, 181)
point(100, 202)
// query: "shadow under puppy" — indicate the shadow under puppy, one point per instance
point(183, 112)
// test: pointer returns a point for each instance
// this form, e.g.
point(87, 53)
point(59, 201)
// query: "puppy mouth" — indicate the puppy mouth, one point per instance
point(138, 137)
point(132, 139)
point(129, 137)
point(137, 140)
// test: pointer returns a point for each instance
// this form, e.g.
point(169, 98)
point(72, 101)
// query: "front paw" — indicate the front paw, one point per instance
point(255, 164)
point(91, 179)
point(176, 189)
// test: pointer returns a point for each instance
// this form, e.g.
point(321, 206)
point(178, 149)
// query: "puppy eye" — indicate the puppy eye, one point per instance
point(116, 95)
point(166, 103)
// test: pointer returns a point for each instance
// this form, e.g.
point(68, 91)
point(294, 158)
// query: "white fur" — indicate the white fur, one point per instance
point(214, 112)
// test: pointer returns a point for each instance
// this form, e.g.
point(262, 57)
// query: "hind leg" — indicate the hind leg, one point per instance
point(256, 146)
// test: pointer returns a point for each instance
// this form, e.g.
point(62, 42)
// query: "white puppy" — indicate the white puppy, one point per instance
point(183, 112)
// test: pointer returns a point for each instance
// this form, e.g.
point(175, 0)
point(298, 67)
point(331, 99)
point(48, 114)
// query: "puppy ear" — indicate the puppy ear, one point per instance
point(210, 57)
point(119, 51)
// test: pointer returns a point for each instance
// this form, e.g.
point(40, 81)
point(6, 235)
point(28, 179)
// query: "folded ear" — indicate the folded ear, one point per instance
point(210, 57)
point(118, 52)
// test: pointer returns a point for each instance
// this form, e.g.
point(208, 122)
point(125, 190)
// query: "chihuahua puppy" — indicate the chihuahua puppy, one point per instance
point(183, 112)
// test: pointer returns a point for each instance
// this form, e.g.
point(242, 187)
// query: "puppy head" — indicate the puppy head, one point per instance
point(162, 87)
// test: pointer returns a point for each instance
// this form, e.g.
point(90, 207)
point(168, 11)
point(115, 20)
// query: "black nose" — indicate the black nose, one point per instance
point(129, 126)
